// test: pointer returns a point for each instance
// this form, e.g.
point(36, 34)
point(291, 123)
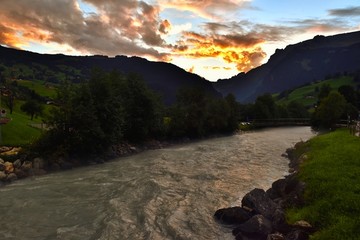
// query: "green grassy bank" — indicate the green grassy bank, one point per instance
point(332, 194)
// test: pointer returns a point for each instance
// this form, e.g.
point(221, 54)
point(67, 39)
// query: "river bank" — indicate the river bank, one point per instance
point(325, 192)
point(262, 214)
point(19, 165)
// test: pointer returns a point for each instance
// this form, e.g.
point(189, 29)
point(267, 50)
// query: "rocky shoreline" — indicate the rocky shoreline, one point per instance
point(261, 215)
point(21, 166)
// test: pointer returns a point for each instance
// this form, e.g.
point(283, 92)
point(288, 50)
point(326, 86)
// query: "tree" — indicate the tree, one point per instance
point(297, 110)
point(32, 108)
point(265, 107)
point(234, 112)
point(349, 93)
point(324, 91)
point(328, 113)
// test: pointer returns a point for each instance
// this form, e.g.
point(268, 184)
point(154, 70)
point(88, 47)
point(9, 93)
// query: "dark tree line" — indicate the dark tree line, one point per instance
point(112, 108)
point(335, 104)
point(265, 107)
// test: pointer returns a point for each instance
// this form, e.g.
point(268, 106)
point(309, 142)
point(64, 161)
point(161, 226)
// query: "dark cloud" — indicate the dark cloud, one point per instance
point(129, 28)
point(345, 12)
point(165, 26)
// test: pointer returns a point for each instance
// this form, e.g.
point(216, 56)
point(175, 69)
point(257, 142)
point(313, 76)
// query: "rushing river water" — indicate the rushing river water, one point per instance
point(169, 193)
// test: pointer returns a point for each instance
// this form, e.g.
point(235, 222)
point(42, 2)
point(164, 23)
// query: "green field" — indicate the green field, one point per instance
point(18, 131)
point(332, 192)
point(307, 95)
point(21, 130)
point(48, 90)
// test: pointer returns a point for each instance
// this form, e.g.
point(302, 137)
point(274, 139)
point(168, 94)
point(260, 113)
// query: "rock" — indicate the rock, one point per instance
point(2, 176)
point(20, 173)
point(297, 235)
point(279, 221)
point(66, 165)
point(55, 167)
point(275, 236)
point(2, 161)
point(9, 167)
point(304, 226)
point(232, 216)
point(2, 166)
point(38, 172)
point(26, 166)
point(39, 163)
point(277, 189)
point(260, 202)
point(11, 177)
point(258, 225)
point(17, 163)
point(250, 236)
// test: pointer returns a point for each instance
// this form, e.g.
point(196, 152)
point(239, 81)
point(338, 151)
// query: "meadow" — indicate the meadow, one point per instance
point(332, 193)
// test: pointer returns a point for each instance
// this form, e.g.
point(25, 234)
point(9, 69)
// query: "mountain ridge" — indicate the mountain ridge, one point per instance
point(164, 78)
point(297, 64)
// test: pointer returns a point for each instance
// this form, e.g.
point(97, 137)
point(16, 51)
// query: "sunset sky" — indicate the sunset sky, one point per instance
point(212, 38)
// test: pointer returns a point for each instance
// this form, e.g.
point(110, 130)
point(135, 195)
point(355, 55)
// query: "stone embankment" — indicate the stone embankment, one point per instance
point(262, 213)
point(21, 166)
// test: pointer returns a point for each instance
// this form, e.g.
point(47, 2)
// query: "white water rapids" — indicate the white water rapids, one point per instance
point(168, 193)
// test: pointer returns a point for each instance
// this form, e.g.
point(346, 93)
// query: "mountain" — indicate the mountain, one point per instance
point(296, 65)
point(164, 78)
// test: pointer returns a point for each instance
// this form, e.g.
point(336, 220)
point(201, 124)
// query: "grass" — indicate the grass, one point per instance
point(39, 87)
point(18, 131)
point(307, 94)
point(332, 193)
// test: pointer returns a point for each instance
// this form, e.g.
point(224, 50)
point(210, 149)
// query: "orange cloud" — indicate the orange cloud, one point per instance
point(208, 9)
point(243, 50)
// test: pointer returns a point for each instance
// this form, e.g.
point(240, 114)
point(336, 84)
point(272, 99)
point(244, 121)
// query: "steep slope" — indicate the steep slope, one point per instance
point(296, 65)
point(165, 78)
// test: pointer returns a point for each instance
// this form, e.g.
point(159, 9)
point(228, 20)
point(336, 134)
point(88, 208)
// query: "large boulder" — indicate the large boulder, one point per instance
point(2, 176)
point(2, 166)
point(26, 166)
point(260, 202)
point(258, 225)
point(233, 215)
point(11, 177)
point(20, 173)
point(39, 163)
point(9, 167)
point(17, 163)
point(297, 235)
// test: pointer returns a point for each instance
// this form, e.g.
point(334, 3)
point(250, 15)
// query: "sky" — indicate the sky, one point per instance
point(215, 39)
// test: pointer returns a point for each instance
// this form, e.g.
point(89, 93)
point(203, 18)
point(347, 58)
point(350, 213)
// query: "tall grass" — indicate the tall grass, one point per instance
point(332, 194)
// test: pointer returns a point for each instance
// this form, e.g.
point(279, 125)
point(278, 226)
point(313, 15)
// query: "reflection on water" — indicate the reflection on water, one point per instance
point(161, 194)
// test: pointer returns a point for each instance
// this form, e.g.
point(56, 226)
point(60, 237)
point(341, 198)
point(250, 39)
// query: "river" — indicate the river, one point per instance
point(168, 193)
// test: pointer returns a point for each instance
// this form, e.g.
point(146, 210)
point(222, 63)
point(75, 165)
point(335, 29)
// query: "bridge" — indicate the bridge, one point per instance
point(280, 122)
